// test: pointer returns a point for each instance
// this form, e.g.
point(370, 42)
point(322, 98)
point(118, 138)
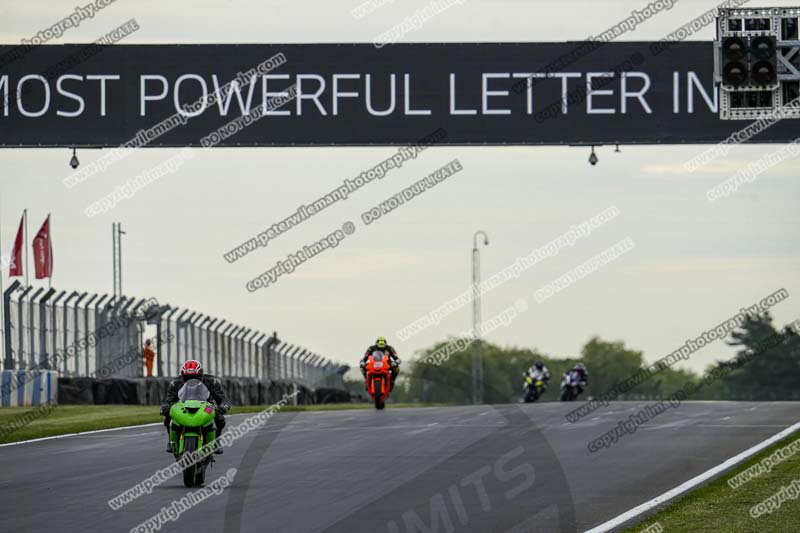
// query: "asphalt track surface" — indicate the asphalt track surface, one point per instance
point(485, 468)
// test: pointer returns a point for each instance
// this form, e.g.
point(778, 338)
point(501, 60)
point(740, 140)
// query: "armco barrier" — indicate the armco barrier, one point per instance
point(25, 389)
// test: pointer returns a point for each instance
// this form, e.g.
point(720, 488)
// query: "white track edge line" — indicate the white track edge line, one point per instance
point(684, 487)
point(52, 437)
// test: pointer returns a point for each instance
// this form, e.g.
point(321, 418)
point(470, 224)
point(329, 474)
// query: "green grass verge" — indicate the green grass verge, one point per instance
point(717, 507)
point(64, 419)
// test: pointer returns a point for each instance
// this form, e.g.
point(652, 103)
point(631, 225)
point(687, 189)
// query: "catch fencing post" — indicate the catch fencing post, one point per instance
point(258, 362)
point(21, 321)
point(8, 364)
point(76, 337)
point(270, 356)
point(31, 327)
point(126, 317)
point(184, 325)
point(43, 359)
point(287, 361)
point(179, 325)
point(193, 323)
point(65, 334)
point(239, 354)
point(154, 315)
point(167, 317)
point(88, 333)
point(230, 348)
point(301, 366)
point(235, 350)
point(53, 364)
point(209, 325)
point(224, 348)
point(278, 364)
point(290, 361)
point(217, 356)
point(251, 361)
point(242, 353)
point(296, 363)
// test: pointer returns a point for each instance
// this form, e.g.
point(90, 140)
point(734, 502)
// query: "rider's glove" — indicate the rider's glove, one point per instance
point(165, 409)
point(223, 408)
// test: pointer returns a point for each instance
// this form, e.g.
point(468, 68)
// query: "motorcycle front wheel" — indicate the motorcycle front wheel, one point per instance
point(377, 387)
point(190, 472)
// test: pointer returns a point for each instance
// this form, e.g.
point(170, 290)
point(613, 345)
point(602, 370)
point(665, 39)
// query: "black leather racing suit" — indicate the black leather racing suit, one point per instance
point(217, 395)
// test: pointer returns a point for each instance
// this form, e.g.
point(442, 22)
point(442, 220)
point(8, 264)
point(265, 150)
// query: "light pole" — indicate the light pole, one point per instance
point(477, 360)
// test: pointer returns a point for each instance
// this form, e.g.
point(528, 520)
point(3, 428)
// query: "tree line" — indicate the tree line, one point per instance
point(766, 366)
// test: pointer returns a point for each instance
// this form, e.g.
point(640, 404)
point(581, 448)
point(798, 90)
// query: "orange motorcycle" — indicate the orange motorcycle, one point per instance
point(379, 375)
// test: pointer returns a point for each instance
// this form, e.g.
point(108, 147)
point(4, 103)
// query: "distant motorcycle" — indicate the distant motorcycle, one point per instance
point(192, 430)
point(379, 375)
point(571, 386)
point(533, 387)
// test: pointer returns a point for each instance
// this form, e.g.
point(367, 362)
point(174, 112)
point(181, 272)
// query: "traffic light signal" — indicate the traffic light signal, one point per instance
point(757, 62)
point(734, 53)
point(752, 60)
point(763, 60)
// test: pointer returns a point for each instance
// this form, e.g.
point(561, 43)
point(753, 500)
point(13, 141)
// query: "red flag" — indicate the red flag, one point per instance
point(43, 251)
point(16, 253)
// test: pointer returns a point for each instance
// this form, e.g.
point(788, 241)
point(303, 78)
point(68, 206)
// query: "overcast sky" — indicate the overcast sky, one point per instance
point(694, 265)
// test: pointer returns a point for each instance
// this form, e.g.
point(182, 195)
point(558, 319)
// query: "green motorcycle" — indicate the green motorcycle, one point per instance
point(192, 430)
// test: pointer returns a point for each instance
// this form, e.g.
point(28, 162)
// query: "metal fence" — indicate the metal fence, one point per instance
point(95, 335)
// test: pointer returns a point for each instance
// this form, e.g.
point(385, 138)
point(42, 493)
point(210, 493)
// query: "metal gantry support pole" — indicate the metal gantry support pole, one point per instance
point(116, 250)
point(477, 357)
point(114, 254)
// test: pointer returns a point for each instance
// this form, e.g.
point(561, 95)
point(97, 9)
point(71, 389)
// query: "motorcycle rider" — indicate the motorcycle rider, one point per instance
point(541, 369)
point(381, 346)
point(193, 369)
point(583, 378)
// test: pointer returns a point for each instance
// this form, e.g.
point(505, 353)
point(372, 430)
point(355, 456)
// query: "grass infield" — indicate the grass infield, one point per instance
point(718, 507)
point(34, 423)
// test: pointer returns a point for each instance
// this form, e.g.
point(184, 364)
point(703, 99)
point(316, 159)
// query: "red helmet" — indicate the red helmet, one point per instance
point(192, 369)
